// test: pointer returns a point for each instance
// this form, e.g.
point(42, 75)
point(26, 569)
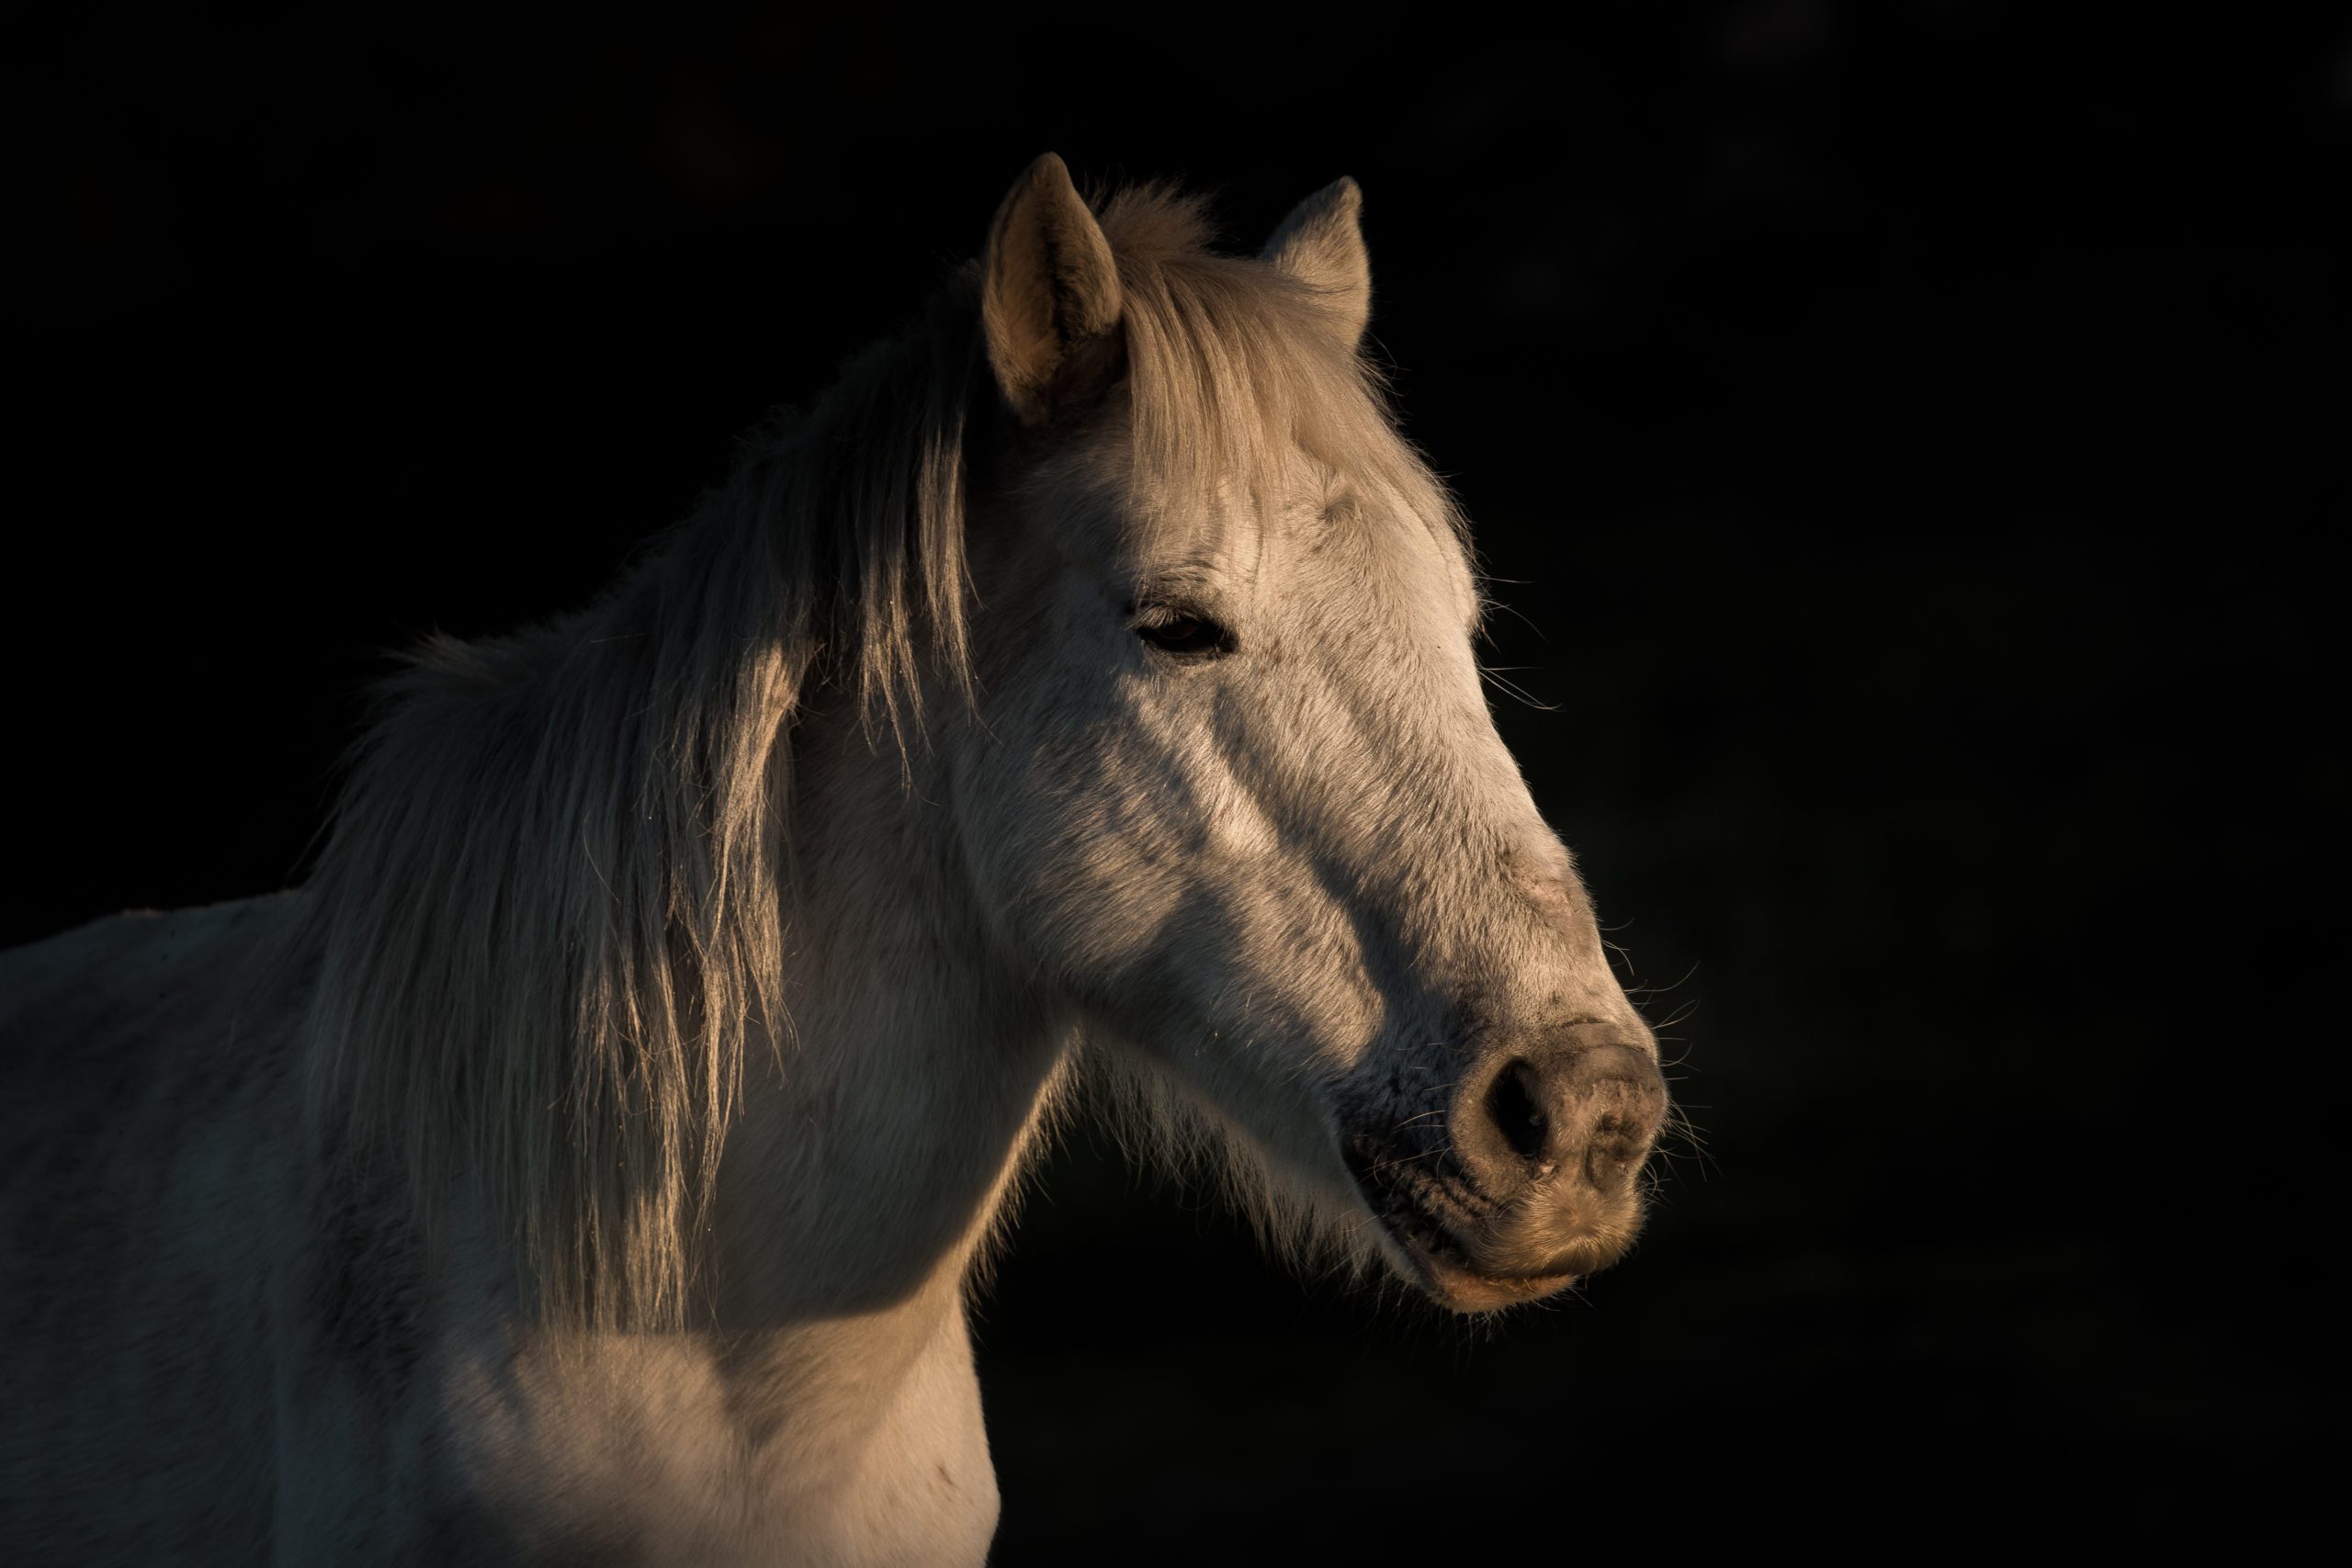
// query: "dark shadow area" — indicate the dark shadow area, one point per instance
point(1899, 437)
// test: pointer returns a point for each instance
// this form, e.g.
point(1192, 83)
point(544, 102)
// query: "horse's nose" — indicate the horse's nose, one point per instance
point(1586, 1113)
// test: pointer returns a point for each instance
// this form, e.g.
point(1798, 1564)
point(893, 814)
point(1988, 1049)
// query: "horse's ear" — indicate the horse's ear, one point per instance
point(1321, 243)
point(1049, 299)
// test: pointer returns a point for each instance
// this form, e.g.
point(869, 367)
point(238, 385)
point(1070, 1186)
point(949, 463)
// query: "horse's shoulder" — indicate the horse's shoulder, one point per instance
point(124, 1045)
point(141, 973)
point(146, 1149)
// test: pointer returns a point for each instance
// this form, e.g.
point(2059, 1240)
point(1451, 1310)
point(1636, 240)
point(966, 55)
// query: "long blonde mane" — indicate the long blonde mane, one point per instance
point(552, 908)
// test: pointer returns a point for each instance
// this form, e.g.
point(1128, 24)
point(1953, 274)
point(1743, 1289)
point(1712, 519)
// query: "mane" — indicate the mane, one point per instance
point(551, 905)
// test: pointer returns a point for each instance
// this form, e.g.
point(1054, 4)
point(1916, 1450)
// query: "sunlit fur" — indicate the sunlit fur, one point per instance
point(591, 1161)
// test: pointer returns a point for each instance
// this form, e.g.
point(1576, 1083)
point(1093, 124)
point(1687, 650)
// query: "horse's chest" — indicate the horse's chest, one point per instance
point(660, 1454)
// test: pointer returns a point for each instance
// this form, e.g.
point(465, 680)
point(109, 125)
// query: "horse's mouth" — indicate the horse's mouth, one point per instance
point(1413, 1205)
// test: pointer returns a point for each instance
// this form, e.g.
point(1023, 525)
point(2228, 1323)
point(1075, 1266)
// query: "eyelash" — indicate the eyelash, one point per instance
point(1179, 632)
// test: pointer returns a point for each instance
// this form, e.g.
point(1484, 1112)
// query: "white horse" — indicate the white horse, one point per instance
point(590, 1164)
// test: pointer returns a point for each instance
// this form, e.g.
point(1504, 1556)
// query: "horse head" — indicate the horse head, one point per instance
point(1233, 791)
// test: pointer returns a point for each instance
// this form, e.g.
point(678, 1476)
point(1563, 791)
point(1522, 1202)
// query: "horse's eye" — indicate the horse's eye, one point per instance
point(1184, 632)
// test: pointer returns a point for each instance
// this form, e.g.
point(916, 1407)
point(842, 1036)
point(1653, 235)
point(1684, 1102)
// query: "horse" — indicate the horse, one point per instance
point(591, 1160)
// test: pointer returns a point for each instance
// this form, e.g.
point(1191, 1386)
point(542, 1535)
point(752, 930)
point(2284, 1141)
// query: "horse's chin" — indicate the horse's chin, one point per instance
point(1432, 1260)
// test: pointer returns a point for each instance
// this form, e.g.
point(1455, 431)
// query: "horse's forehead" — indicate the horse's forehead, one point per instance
point(1264, 525)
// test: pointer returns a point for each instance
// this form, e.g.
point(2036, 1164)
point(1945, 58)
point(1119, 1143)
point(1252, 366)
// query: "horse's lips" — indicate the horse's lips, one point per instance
point(1456, 1285)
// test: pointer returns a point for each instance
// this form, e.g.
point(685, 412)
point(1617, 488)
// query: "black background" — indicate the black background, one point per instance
point(1906, 433)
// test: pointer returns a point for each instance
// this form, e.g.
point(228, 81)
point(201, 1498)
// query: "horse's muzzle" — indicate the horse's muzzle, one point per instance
point(1532, 1183)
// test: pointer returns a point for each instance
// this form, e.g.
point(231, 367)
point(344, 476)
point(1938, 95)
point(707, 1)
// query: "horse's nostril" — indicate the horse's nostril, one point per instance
point(1517, 1111)
point(1591, 1110)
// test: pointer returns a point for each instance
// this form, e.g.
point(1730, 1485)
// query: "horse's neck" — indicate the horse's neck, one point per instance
point(879, 1136)
point(871, 1151)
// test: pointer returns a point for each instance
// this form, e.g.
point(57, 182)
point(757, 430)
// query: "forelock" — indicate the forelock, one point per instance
point(1236, 368)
